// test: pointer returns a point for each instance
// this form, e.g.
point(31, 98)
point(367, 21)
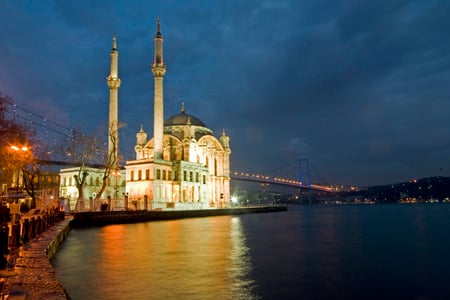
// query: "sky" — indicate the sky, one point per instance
point(359, 88)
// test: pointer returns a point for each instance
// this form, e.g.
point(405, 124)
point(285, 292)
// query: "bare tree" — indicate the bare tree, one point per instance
point(31, 170)
point(111, 164)
point(13, 136)
point(81, 150)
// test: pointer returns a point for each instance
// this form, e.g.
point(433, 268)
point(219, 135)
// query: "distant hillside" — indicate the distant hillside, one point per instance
point(421, 189)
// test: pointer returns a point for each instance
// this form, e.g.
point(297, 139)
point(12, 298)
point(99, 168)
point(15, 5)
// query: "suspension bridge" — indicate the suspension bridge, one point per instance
point(299, 175)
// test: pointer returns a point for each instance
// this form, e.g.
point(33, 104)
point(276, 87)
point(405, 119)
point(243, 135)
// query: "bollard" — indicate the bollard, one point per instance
point(125, 202)
point(4, 232)
point(16, 232)
point(26, 231)
point(38, 225)
point(32, 228)
point(45, 221)
point(4, 235)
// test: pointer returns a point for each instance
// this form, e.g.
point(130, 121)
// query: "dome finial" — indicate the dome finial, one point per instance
point(182, 108)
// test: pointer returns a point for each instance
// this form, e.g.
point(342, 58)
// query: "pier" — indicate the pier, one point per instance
point(83, 219)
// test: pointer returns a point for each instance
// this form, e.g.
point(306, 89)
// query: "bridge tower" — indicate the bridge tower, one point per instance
point(304, 174)
point(303, 165)
point(113, 82)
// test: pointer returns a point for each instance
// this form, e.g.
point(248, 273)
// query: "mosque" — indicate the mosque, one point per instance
point(184, 166)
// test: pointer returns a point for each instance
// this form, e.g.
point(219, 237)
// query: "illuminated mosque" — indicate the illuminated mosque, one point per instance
point(183, 166)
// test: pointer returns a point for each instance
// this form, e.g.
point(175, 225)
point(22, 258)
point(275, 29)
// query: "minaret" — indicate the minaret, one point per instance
point(158, 70)
point(113, 82)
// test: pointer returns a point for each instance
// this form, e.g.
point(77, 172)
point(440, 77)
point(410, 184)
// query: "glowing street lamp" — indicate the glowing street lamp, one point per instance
point(19, 150)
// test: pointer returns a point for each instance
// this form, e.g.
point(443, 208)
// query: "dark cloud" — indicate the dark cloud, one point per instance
point(358, 87)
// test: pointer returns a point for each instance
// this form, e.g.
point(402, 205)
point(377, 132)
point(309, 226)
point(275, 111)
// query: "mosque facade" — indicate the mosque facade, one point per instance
point(184, 166)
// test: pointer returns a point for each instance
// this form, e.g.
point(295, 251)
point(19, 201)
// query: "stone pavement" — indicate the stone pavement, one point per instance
point(30, 275)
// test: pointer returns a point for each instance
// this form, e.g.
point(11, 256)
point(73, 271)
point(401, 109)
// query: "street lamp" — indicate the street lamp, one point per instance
point(19, 150)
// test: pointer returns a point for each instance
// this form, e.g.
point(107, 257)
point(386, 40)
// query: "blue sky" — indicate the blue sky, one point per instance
point(361, 88)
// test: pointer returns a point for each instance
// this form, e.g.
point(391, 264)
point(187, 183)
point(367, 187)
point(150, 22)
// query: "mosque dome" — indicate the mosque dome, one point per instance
point(177, 125)
point(183, 119)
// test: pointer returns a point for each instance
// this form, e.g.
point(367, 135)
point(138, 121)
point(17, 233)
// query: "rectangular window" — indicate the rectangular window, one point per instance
point(131, 175)
point(169, 175)
point(147, 174)
point(140, 175)
point(158, 174)
point(184, 175)
point(164, 175)
point(191, 177)
point(196, 177)
point(204, 179)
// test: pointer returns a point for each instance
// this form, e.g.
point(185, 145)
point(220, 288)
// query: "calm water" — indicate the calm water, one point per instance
point(310, 252)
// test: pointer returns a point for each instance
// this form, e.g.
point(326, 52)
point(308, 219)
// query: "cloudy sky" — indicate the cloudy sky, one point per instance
point(360, 88)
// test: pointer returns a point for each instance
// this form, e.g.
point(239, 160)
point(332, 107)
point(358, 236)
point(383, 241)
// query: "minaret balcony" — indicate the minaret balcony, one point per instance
point(113, 82)
point(158, 70)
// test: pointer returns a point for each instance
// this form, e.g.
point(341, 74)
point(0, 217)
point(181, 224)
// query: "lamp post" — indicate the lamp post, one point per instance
point(19, 150)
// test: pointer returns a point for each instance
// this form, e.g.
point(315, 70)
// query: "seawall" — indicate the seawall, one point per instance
point(86, 219)
point(33, 276)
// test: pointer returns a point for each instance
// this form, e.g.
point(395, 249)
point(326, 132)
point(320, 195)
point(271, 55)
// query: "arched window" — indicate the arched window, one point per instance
point(215, 167)
point(140, 175)
point(158, 174)
point(91, 181)
point(97, 181)
point(131, 175)
point(147, 174)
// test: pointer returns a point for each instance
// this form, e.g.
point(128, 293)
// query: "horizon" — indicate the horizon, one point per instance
point(359, 90)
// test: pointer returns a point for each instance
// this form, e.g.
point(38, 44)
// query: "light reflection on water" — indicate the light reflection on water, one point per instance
point(310, 252)
point(205, 258)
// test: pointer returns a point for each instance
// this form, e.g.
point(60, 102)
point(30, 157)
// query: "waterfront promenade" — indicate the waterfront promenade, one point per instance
point(29, 274)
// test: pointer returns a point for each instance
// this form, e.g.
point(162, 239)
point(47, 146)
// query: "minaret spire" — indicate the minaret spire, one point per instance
point(114, 44)
point(113, 82)
point(158, 27)
point(158, 70)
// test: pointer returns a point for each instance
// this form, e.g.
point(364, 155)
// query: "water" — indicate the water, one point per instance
point(310, 252)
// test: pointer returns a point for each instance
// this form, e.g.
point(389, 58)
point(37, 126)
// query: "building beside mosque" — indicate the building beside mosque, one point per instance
point(184, 166)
